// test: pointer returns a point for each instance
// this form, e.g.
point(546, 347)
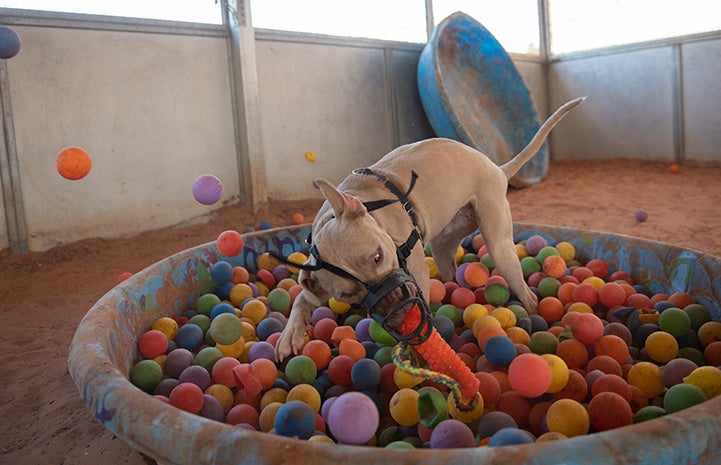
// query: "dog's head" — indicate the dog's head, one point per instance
point(353, 242)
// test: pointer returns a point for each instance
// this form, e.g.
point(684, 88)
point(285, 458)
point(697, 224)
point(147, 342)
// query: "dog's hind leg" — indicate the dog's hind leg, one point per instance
point(445, 245)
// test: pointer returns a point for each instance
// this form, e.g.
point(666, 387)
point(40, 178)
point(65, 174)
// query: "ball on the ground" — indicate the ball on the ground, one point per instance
point(641, 216)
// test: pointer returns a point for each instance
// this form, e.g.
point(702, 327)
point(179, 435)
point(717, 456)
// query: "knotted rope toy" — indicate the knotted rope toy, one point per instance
point(445, 367)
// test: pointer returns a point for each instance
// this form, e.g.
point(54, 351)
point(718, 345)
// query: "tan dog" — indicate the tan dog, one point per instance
point(457, 190)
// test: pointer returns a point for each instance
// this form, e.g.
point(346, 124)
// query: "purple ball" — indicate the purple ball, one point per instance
point(177, 361)
point(207, 189)
point(197, 375)
point(451, 434)
point(641, 216)
point(534, 244)
point(677, 369)
point(362, 330)
point(321, 312)
point(211, 408)
point(261, 349)
point(459, 275)
point(281, 272)
point(353, 418)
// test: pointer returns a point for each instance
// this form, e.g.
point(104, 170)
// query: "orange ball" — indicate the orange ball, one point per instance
point(319, 352)
point(614, 347)
point(229, 243)
point(437, 290)
point(297, 218)
point(673, 168)
point(476, 274)
point(73, 163)
point(554, 266)
point(550, 308)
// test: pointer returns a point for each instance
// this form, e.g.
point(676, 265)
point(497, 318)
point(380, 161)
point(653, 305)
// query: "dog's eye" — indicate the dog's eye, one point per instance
point(378, 257)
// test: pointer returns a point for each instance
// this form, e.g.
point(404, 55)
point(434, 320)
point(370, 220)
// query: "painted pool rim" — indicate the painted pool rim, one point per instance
point(170, 435)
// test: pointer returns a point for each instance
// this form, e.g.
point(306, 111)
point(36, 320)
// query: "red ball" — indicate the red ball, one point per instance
point(598, 267)
point(229, 243)
point(587, 327)
point(243, 413)
point(586, 293)
point(123, 276)
point(339, 370)
point(463, 297)
point(153, 343)
point(608, 410)
point(187, 396)
point(611, 295)
point(529, 375)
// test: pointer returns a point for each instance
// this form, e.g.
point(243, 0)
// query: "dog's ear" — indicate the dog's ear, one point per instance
point(341, 203)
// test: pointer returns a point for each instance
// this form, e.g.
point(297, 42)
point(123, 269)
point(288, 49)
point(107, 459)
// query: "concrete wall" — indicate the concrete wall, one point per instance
point(661, 103)
point(152, 110)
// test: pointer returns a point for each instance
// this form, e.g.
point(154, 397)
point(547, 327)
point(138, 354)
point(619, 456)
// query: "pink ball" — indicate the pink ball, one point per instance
point(529, 375)
point(353, 418)
point(207, 189)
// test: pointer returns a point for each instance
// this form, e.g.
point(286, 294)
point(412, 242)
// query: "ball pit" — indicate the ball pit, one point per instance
point(104, 353)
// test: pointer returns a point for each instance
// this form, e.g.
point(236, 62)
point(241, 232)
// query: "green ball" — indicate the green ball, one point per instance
point(207, 357)
point(384, 355)
point(453, 313)
point(682, 396)
point(389, 435)
point(674, 321)
point(518, 310)
point(205, 303)
point(648, 413)
point(698, 314)
point(488, 261)
point(400, 445)
point(226, 328)
point(279, 300)
point(300, 369)
point(543, 342)
point(201, 321)
point(470, 257)
point(146, 374)
point(548, 287)
point(379, 334)
point(546, 252)
point(496, 294)
point(530, 265)
point(352, 320)
point(693, 354)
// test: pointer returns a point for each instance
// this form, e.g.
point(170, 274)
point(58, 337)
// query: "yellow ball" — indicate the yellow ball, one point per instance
point(648, 377)
point(568, 417)
point(267, 262)
point(255, 310)
point(559, 372)
point(306, 394)
point(160, 360)
point(460, 252)
point(337, 306)
point(296, 257)
point(244, 356)
point(482, 322)
point(273, 395)
point(248, 331)
point(433, 270)
point(518, 335)
point(403, 379)
point(167, 326)
point(567, 250)
point(465, 416)
point(234, 350)
point(262, 288)
point(286, 283)
point(322, 438)
point(505, 317)
point(239, 293)
point(707, 378)
point(580, 307)
point(224, 395)
point(404, 407)
point(267, 416)
point(595, 281)
point(661, 346)
point(472, 313)
point(709, 332)
point(521, 251)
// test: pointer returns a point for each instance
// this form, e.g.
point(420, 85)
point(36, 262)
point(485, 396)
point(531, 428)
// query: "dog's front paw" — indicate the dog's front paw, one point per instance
point(291, 341)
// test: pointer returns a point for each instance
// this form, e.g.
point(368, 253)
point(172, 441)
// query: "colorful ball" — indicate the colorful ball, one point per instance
point(363, 411)
point(529, 375)
point(207, 189)
point(73, 163)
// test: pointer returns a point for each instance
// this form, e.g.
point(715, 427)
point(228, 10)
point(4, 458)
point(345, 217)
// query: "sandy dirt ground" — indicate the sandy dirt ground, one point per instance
point(43, 296)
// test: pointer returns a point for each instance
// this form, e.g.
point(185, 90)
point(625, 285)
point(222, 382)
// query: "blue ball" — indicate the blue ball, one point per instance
point(366, 374)
point(510, 436)
point(538, 323)
point(265, 224)
point(268, 326)
point(222, 307)
point(189, 337)
point(445, 327)
point(500, 350)
point(295, 419)
point(525, 323)
point(371, 348)
point(9, 43)
point(221, 272)
point(223, 290)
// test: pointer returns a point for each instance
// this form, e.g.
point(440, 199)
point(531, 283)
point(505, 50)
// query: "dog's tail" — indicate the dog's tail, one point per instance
point(511, 167)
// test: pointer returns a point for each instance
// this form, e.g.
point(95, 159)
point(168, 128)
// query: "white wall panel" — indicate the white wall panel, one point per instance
point(629, 112)
point(702, 100)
